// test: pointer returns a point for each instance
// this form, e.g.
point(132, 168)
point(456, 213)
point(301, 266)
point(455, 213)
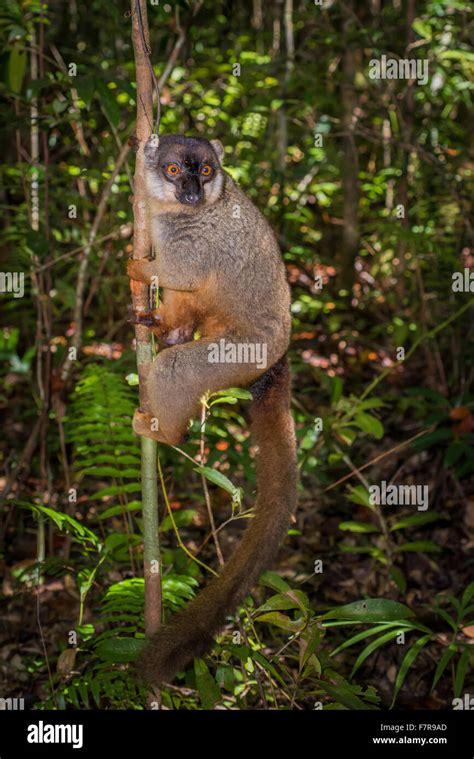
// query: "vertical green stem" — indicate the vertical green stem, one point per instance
point(40, 549)
point(151, 542)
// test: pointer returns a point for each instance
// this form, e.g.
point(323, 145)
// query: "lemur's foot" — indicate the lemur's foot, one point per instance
point(165, 336)
point(149, 426)
point(146, 424)
point(146, 318)
point(178, 336)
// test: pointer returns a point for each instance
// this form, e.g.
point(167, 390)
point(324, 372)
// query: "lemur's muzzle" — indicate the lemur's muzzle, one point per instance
point(190, 191)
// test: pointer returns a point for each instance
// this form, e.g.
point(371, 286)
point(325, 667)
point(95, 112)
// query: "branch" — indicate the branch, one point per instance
point(141, 248)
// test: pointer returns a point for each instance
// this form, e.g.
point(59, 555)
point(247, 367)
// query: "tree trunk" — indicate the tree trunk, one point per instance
point(140, 297)
point(350, 166)
point(407, 134)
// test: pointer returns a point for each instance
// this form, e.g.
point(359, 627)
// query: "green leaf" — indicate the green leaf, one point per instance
point(353, 406)
point(216, 477)
point(85, 87)
point(59, 106)
point(461, 670)
point(399, 578)
point(16, 69)
point(292, 599)
point(244, 653)
point(447, 618)
point(273, 581)
point(422, 28)
point(83, 692)
point(85, 631)
point(407, 662)
point(432, 438)
point(118, 544)
point(309, 642)
point(454, 453)
point(276, 104)
point(132, 379)
point(359, 494)
point(415, 520)
point(343, 696)
point(119, 509)
point(443, 663)
point(95, 690)
point(182, 518)
point(427, 546)
point(120, 650)
point(461, 55)
point(131, 487)
point(361, 636)
point(283, 621)
point(370, 610)
point(223, 399)
point(358, 527)
point(206, 685)
point(347, 435)
point(71, 691)
point(467, 595)
point(373, 647)
point(66, 523)
point(375, 552)
point(369, 424)
point(234, 392)
point(111, 471)
point(336, 389)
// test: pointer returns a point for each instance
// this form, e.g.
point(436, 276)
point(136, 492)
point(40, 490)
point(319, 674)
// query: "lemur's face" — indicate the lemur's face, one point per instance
point(183, 171)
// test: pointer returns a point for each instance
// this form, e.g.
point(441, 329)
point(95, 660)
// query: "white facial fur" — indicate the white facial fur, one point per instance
point(161, 194)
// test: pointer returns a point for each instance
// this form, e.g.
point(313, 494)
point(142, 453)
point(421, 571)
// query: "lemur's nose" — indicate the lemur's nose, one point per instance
point(192, 197)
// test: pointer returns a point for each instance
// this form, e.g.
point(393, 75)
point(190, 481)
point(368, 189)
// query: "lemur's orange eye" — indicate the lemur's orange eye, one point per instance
point(173, 169)
point(206, 170)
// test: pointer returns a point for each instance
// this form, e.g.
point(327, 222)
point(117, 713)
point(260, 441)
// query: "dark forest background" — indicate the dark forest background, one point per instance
point(368, 185)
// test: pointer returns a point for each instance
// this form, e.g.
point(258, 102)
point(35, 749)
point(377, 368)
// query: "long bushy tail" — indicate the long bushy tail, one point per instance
point(190, 632)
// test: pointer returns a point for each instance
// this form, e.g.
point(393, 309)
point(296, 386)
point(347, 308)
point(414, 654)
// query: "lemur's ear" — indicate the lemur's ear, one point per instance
point(218, 148)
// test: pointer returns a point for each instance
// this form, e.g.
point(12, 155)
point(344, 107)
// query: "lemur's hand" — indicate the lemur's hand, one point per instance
point(134, 142)
point(136, 269)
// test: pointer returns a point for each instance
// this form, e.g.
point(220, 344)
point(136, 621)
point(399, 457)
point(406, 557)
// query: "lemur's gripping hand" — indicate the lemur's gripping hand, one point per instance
point(134, 142)
point(141, 270)
point(133, 269)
